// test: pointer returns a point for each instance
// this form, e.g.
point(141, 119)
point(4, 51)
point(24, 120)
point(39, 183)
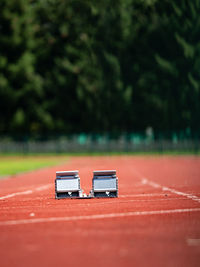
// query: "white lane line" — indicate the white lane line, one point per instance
point(165, 188)
point(144, 180)
point(149, 200)
point(144, 195)
point(17, 194)
point(193, 242)
point(96, 217)
point(132, 200)
point(43, 187)
point(27, 192)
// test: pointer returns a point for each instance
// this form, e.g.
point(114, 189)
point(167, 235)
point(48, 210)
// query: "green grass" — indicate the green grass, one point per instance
point(10, 165)
point(110, 153)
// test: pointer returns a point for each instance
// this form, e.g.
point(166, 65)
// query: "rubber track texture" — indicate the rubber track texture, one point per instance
point(155, 221)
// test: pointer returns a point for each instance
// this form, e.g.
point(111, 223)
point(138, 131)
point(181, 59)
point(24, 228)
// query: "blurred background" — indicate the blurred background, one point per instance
point(109, 75)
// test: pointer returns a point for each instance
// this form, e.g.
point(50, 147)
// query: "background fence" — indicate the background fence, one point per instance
point(100, 143)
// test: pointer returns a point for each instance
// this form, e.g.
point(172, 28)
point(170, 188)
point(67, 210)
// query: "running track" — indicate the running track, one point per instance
point(154, 222)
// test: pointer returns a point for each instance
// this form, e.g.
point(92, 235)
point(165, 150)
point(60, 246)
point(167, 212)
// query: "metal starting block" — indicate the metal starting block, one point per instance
point(104, 184)
point(67, 184)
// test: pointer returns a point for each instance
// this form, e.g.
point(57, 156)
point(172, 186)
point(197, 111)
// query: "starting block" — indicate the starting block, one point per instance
point(104, 184)
point(67, 184)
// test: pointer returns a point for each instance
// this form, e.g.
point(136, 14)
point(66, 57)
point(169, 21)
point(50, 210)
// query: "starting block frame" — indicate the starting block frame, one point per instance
point(104, 185)
point(67, 184)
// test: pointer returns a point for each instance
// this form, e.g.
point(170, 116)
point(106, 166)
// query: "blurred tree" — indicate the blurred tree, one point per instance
point(20, 86)
point(99, 66)
point(177, 45)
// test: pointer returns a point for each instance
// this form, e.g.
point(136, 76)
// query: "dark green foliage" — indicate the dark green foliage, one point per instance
point(21, 88)
point(99, 66)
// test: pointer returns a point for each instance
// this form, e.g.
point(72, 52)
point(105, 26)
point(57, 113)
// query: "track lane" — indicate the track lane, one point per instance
point(157, 239)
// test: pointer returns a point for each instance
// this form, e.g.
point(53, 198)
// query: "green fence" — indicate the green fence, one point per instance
point(84, 143)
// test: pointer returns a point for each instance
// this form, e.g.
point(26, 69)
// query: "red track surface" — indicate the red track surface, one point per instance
point(154, 222)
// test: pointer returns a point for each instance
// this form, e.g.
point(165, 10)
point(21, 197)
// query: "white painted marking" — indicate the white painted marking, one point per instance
point(131, 200)
point(165, 188)
point(43, 187)
point(144, 195)
point(27, 192)
point(148, 200)
point(17, 194)
point(96, 217)
point(193, 242)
